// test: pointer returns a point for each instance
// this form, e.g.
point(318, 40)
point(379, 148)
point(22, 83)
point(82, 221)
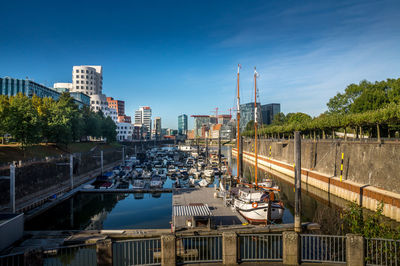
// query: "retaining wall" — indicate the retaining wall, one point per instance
point(324, 174)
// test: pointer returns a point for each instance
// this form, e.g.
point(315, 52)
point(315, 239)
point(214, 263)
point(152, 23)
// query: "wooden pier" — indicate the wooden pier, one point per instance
point(221, 214)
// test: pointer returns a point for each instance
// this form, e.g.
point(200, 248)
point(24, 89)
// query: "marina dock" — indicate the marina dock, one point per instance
point(221, 215)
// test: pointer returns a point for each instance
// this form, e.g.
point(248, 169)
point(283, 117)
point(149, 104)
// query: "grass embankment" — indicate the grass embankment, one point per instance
point(14, 152)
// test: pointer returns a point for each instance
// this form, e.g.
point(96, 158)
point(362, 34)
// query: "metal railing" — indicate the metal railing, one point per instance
point(381, 251)
point(323, 248)
point(12, 259)
point(71, 255)
point(137, 252)
point(260, 247)
point(199, 249)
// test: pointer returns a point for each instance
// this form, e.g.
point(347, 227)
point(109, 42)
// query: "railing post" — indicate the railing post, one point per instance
point(229, 248)
point(355, 253)
point(104, 252)
point(291, 248)
point(33, 257)
point(12, 187)
point(168, 250)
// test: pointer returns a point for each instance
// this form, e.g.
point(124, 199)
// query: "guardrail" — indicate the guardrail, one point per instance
point(260, 247)
point(12, 259)
point(137, 252)
point(323, 248)
point(199, 248)
point(71, 255)
point(228, 247)
point(381, 251)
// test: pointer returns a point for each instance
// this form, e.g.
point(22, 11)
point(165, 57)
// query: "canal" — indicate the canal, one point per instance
point(94, 211)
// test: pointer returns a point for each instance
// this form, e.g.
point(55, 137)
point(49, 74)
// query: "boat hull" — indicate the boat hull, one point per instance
point(258, 214)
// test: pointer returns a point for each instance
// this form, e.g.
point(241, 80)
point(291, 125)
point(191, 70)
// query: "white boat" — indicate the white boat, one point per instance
point(203, 183)
point(146, 174)
point(266, 182)
point(156, 182)
point(138, 183)
point(256, 211)
point(209, 172)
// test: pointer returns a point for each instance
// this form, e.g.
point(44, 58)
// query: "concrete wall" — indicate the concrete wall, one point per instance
point(33, 178)
point(364, 163)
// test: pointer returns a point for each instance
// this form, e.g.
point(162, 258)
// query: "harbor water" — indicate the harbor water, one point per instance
point(95, 211)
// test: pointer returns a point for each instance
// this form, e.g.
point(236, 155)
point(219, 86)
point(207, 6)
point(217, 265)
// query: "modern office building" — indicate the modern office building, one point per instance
point(247, 114)
point(87, 79)
point(143, 117)
point(11, 87)
point(268, 111)
point(200, 122)
point(156, 132)
point(117, 105)
point(182, 124)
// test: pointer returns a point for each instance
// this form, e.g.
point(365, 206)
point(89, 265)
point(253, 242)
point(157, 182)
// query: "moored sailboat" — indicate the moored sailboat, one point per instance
point(255, 203)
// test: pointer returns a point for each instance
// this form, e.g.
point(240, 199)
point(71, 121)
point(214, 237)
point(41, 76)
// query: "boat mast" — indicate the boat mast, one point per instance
point(255, 123)
point(238, 126)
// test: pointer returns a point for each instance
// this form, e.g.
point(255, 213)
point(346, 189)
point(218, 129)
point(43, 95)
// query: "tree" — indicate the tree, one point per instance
point(250, 125)
point(23, 120)
point(108, 130)
point(4, 115)
point(279, 119)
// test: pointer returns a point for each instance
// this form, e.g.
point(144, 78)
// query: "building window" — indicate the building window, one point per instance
point(77, 76)
point(82, 76)
point(87, 71)
point(82, 71)
point(77, 81)
point(77, 87)
point(87, 76)
point(92, 102)
point(87, 82)
point(77, 71)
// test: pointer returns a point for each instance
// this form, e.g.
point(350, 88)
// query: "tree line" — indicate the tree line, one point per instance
point(367, 108)
point(43, 120)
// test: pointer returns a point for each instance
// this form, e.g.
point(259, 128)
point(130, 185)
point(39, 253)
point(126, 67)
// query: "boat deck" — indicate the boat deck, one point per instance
point(221, 214)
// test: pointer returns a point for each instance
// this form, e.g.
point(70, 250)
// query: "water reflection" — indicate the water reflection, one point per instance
point(95, 211)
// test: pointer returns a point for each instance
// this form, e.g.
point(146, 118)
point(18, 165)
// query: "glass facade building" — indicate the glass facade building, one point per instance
point(268, 112)
point(247, 114)
point(11, 87)
point(182, 124)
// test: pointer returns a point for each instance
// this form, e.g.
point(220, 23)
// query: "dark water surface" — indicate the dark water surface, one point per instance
point(106, 211)
point(137, 211)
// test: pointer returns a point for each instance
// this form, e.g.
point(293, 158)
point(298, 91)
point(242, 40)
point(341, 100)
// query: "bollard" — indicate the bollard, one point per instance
point(168, 250)
point(355, 253)
point(291, 248)
point(104, 252)
point(229, 248)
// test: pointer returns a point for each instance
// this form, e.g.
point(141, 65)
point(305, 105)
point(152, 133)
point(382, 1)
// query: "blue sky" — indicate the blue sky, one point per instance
point(181, 56)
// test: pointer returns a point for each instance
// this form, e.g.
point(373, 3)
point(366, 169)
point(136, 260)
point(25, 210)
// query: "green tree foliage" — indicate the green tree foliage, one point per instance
point(366, 106)
point(372, 225)
point(34, 120)
point(249, 126)
point(23, 120)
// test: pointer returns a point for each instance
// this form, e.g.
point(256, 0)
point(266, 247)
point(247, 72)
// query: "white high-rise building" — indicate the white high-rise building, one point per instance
point(143, 117)
point(87, 79)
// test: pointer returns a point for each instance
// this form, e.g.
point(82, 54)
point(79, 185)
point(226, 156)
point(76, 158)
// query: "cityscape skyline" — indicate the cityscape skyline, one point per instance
point(305, 52)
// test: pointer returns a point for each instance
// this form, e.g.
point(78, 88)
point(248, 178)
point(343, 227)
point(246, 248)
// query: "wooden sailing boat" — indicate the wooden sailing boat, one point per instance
point(253, 202)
